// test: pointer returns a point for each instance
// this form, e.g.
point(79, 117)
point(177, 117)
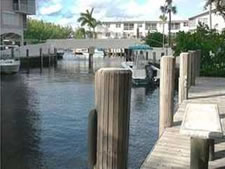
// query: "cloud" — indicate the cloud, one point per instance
point(66, 12)
point(51, 10)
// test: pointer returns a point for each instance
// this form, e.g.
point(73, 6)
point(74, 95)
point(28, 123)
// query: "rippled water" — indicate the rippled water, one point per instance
point(44, 117)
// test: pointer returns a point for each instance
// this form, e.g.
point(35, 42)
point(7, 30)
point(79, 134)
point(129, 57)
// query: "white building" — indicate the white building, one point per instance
point(130, 29)
point(217, 21)
point(13, 18)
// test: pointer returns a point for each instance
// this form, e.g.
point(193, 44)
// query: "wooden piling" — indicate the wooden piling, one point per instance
point(92, 138)
point(28, 61)
point(183, 79)
point(91, 51)
point(198, 63)
point(192, 67)
point(41, 60)
point(199, 153)
point(55, 57)
point(211, 149)
point(154, 57)
point(112, 90)
point(167, 80)
point(49, 58)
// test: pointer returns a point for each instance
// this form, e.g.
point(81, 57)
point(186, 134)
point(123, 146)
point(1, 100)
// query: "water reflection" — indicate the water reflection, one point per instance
point(19, 121)
point(44, 117)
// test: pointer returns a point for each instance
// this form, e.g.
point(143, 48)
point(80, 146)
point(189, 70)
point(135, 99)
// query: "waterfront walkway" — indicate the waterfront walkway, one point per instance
point(172, 150)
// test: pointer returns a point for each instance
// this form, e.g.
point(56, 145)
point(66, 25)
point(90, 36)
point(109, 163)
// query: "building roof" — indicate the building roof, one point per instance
point(143, 21)
point(202, 14)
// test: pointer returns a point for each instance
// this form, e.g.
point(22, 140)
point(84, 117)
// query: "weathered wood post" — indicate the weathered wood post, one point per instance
point(167, 78)
point(154, 57)
point(198, 63)
point(41, 60)
point(112, 94)
point(211, 149)
point(146, 55)
point(92, 138)
point(91, 51)
point(55, 57)
point(49, 58)
point(193, 70)
point(28, 61)
point(183, 79)
point(199, 153)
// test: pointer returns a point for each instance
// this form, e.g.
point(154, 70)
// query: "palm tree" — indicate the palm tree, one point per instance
point(168, 8)
point(219, 4)
point(163, 19)
point(88, 20)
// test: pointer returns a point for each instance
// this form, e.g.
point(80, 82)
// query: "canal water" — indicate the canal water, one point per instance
point(44, 117)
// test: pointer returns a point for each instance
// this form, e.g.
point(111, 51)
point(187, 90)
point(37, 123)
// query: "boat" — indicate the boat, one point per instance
point(143, 72)
point(84, 53)
point(9, 66)
point(144, 75)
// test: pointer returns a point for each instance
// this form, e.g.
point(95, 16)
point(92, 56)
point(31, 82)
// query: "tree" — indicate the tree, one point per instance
point(154, 39)
point(212, 46)
point(219, 4)
point(163, 18)
point(168, 8)
point(80, 33)
point(86, 19)
point(39, 31)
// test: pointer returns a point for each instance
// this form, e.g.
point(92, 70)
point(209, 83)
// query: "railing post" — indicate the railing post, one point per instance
point(167, 80)
point(112, 94)
point(183, 79)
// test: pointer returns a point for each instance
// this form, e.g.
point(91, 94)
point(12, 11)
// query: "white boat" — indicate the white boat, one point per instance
point(143, 72)
point(84, 53)
point(9, 66)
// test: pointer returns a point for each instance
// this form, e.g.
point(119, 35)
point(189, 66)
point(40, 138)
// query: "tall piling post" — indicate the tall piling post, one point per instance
point(28, 61)
point(91, 51)
point(198, 63)
point(55, 57)
point(184, 77)
point(41, 60)
point(167, 81)
point(49, 58)
point(192, 67)
point(112, 94)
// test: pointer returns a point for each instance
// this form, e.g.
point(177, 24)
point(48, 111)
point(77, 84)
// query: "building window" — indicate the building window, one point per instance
point(140, 25)
point(128, 26)
point(107, 25)
point(108, 34)
point(151, 26)
point(175, 26)
point(118, 25)
point(203, 20)
point(185, 23)
point(192, 23)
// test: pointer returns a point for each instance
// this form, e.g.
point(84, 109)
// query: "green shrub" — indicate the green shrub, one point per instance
point(212, 46)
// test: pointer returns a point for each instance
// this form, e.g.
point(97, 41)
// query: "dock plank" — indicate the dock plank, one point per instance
point(172, 150)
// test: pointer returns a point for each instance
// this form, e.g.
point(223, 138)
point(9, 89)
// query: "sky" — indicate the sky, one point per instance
point(66, 12)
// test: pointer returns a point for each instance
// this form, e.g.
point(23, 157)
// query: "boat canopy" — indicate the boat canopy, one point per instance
point(140, 47)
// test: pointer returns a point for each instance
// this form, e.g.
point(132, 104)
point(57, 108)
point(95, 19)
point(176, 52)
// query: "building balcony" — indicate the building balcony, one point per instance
point(25, 8)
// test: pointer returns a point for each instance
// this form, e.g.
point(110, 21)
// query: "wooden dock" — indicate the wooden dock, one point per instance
point(172, 150)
